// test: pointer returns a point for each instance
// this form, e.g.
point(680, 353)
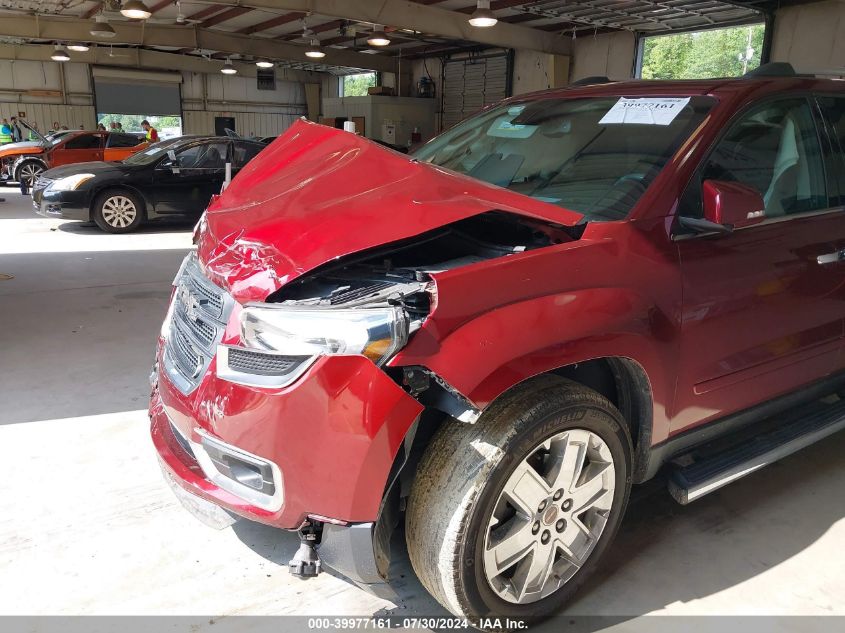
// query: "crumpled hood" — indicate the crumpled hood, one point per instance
point(317, 194)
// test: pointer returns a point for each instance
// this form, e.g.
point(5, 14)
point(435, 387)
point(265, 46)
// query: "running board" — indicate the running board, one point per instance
point(709, 468)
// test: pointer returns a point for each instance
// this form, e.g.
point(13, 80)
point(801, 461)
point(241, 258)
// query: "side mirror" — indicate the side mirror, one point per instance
point(731, 204)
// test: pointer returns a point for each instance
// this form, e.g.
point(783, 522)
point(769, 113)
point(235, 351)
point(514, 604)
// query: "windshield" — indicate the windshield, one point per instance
point(152, 153)
point(592, 155)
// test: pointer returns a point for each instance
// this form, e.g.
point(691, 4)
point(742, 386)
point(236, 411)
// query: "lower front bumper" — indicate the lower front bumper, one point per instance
point(347, 549)
point(68, 206)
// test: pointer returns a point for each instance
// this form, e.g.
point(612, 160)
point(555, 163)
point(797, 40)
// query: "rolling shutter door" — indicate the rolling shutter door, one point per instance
point(472, 83)
point(126, 91)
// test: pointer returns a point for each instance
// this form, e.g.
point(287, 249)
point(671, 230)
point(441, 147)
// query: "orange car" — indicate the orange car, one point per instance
point(28, 159)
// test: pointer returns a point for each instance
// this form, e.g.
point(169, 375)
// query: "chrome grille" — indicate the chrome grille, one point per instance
point(188, 358)
point(198, 319)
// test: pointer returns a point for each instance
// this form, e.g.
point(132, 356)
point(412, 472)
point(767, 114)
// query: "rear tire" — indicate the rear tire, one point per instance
point(118, 211)
point(473, 540)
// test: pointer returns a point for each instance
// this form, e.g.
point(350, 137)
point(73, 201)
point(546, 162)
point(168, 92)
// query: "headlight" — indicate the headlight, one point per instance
point(70, 183)
point(377, 333)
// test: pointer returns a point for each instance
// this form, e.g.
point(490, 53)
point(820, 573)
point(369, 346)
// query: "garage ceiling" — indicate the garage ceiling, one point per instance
point(281, 29)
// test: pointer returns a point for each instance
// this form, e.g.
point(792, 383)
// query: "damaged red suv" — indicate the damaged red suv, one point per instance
point(493, 339)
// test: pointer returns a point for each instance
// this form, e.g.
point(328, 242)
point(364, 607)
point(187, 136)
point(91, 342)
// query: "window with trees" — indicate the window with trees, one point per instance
point(356, 85)
point(726, 52)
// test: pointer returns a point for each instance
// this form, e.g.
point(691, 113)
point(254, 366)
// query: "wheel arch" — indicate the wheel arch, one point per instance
point(622, 380)
point(27, 158)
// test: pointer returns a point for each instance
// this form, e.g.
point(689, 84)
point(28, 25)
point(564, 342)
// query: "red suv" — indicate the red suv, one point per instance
point(494, 338)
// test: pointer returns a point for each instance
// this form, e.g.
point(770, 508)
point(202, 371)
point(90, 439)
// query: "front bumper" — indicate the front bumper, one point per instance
point(68, 205)
point(333, 435)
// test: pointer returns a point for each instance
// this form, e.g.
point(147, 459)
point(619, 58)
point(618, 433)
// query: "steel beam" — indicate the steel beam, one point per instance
point(149, 60)
point(404, 14)
point(145, 34)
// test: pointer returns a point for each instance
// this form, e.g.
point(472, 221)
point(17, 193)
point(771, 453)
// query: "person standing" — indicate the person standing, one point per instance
point(5, 132)
point(152, 133)
point(17, 132)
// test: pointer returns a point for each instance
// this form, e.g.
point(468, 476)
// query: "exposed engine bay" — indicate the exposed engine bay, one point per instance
point(400, 274)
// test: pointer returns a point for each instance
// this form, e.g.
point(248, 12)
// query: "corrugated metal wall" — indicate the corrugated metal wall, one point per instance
point(36, 88)
point(42, 116)
point(246, 123)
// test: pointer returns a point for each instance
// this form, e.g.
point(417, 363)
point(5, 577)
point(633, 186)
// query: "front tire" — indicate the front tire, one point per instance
point(29, 172)
point(118, 211)
point(509, 516)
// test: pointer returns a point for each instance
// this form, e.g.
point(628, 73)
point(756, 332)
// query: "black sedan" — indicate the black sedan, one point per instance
point(176, 176)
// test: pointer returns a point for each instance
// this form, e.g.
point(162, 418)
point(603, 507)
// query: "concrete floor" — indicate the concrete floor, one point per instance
point(87, 526)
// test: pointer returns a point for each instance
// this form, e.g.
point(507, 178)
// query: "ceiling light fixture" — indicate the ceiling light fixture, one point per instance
point(228, 69)
point(314, 50)
point(101, 27)
point(78, 48)
point(135, 10)
point(483, 17)
point(60, 54)
point(264, 63)
point(378, 36)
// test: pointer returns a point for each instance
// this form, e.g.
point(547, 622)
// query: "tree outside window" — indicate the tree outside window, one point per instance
point(356, 85)
point(729, 52)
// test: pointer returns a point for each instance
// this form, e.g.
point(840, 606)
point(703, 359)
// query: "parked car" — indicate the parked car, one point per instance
point(25, 161)
point(493, 339)
point(174, 177)
point(37, 142)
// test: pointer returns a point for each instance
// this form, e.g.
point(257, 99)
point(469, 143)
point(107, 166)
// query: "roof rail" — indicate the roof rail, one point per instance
point(773, 69)
point(588, 81)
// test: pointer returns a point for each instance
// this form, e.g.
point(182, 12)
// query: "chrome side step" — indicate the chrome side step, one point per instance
point(710, 467)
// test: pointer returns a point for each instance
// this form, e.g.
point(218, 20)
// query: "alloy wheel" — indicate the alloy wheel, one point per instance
point(29, 173)
point(549, 516)
point(119, 211)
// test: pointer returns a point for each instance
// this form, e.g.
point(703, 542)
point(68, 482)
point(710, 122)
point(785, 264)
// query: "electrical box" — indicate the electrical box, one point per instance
point(388, 133)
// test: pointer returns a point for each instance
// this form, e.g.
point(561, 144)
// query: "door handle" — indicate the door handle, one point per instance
point(831, 258)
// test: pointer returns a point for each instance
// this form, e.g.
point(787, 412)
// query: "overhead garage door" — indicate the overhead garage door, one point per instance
point(127, 91)
point(472, 83)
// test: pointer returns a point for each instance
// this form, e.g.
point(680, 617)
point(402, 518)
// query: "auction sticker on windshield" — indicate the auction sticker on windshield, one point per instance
point(646, 111)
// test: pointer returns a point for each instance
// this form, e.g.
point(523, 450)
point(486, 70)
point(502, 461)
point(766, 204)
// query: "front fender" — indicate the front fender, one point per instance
point(26, 158)
point(555, 309)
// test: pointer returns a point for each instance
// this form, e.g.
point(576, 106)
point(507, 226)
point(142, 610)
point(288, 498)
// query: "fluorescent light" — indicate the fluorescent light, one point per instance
point(314, 51)
point(77, 48)
point(135, 9)
point(102, 28)
point(263, 63)
point(483, 17)
point(228, 69)
point(378, 36)
point(60, 55)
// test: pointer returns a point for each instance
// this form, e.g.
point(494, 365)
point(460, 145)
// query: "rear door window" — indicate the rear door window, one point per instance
point(116, 139)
